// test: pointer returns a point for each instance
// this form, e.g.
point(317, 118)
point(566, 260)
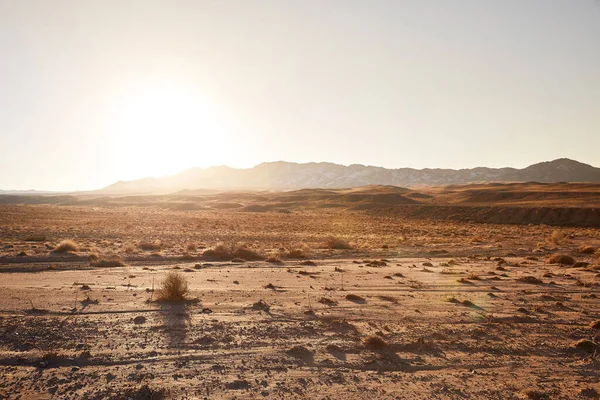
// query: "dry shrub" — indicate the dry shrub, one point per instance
point(337, 243)
point(296, 253)
point(109, 262)
point(66, 246)
point(274, 260)
point(560, 259)
point(225, 252)
point(557, 237)
point(586, 249)
point(173, 288)
point(374, 342)
point(150, 246)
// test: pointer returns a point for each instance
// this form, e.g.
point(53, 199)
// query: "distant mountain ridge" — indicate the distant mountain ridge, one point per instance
point(283, 175)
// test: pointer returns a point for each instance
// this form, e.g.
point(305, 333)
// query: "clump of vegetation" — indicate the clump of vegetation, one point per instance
point(375, 342)
point(274, 260)
point(150, 246)
point(560, 259)
point(295, 253)
point(557, 237)
point(223, 252)
point(173, 288)
point(66, 246)
point(586, 249)
point(109, 262)
point(337, 243)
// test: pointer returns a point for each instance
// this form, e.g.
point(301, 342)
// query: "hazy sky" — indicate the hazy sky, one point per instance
point(92, 92)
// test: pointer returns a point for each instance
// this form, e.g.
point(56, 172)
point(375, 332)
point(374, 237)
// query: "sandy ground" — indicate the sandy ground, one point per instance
point(302, 338)
point(415, 309)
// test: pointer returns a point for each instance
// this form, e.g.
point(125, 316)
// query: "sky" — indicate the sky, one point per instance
point(93, 92)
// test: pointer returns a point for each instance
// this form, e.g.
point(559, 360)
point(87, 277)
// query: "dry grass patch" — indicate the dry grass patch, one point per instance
point(173, 288)
point(375, 342)
point(560, 259)
point(224, 252)
point(66, 246)
point(150, 246)
point(337, 243)
point(586, 249)
point(109, 262)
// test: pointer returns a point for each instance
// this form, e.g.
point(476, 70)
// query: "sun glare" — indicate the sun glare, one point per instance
point(165, 129)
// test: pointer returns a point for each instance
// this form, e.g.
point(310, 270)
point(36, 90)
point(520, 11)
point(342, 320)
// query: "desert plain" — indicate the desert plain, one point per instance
point(476, 291)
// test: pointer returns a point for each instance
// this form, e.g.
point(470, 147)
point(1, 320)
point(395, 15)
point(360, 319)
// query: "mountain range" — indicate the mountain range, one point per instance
point(283, 175)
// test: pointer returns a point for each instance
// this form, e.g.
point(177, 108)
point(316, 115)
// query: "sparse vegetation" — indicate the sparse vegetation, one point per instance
point(150, 246)
point(560, 259)
point(337, 243)
point(223, 252)
point(174, 288)
point(375, 342)
point(66, 246)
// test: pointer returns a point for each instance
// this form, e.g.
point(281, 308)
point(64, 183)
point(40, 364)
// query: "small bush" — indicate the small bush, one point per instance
point(150, 246)
point(586, 249)
point(173, 288)
point(557, 237)
point(111, 262)
point(66, 246)
point(337, 243)
point(374, 342)
point(225, 252)
point(560, 259)
point(296, 253)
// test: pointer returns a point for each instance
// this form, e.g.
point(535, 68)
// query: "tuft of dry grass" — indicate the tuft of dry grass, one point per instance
point(375, 342)
point(223, 252)
point(560, 259)
point(150, 246)
point(109, 262)
point(273, 260)
point(586, 249)
point(66, 246)
point(337, 243)
point(173, 288)
point(557, 237)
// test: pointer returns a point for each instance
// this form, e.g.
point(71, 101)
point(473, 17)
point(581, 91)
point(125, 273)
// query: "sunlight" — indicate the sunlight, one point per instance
point(165, 129)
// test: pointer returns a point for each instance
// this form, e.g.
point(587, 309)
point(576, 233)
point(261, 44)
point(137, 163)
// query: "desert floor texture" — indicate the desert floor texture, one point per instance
point(481, 292)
